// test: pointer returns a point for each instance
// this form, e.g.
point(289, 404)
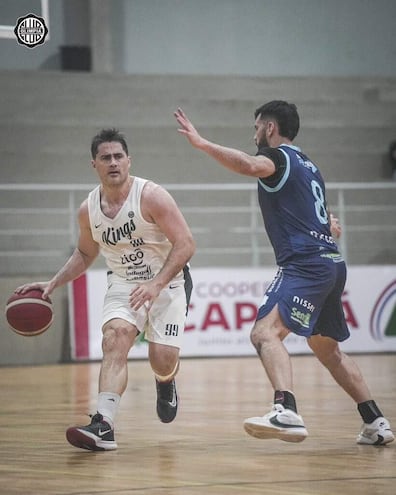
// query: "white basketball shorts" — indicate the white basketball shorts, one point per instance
point(163, 323)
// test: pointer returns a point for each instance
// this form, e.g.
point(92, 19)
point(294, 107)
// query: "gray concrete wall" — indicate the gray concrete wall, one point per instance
point(260, 37)
point(48, 119)
point(219, 37)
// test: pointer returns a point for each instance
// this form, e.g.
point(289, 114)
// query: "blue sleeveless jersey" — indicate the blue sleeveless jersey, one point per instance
point(294, 210)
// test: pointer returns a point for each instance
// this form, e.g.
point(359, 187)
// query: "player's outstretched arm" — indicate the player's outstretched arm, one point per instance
point(235, 160)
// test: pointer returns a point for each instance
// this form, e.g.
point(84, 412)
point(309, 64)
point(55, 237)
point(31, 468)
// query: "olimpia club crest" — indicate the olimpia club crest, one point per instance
point(383, 316)
point(31, 30)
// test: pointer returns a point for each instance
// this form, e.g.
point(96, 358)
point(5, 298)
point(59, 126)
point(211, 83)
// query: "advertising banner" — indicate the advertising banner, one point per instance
point(223, 309)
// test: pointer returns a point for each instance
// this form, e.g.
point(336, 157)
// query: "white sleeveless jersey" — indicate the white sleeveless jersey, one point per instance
point(133, 248)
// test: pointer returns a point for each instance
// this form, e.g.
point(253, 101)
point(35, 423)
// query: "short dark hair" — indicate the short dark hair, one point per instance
point(284, 113)
point(108, 136)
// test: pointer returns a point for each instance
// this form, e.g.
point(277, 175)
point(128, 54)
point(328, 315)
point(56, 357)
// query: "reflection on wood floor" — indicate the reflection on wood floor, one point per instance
point(205, 450)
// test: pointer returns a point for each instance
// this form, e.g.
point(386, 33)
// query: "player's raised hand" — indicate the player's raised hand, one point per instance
point(187, 128)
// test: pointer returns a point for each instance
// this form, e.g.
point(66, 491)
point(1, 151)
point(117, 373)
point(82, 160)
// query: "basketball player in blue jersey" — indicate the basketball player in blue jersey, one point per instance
point(305, 295)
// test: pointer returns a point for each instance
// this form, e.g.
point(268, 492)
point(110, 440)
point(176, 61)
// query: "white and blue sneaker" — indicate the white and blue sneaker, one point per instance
point(280, 423)
point(376, 433)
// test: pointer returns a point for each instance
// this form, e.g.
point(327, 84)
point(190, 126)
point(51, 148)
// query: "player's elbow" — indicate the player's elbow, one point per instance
point(87, 257)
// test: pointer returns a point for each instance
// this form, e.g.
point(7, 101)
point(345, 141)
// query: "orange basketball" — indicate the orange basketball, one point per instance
point(29, 314)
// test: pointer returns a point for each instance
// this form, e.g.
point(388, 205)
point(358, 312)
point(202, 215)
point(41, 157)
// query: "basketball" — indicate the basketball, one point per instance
point(28, 314)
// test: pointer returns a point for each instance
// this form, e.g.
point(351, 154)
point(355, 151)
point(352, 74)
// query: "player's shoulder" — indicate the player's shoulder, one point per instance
point(157, 198)
point(83, 211)
point(300, 160)
point(149, 186)
point(153, 190)
point(84, 206)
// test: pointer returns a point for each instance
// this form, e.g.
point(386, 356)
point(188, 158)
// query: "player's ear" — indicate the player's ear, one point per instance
point(271, 127)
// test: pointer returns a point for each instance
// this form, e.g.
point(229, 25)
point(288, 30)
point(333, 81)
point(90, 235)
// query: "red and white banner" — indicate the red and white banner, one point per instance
point(223, 308)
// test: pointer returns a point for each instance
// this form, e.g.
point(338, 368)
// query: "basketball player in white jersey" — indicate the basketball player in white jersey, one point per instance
point(138, 228)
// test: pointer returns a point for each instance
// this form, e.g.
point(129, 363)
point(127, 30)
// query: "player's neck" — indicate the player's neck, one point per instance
point(279, 140)
point(117, 193)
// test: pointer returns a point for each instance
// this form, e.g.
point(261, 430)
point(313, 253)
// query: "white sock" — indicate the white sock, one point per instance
point(108, 403)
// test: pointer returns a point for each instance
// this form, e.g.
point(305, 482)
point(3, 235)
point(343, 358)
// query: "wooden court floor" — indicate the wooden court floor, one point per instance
point(205, 450)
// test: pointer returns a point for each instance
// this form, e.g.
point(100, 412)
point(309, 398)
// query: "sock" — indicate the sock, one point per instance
point(285, 398)
point(108, 403)
point(369, 411)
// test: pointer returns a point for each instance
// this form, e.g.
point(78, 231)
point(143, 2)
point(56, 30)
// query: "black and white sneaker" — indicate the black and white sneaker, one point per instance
point(98, 435)
point(166, 400)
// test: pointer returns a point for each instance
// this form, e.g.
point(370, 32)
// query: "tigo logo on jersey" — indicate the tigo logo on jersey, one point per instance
point(383, 316)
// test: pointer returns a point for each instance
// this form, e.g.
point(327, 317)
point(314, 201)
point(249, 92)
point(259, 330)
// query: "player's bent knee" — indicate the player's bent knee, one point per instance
point(260, 336)
point(255, 338)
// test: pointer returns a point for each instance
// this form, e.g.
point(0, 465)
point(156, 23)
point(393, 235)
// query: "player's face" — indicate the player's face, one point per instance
point(112, 163)
point(260, 136)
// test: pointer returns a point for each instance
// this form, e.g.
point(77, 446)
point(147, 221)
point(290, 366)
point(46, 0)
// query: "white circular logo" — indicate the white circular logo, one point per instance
point(31, 30)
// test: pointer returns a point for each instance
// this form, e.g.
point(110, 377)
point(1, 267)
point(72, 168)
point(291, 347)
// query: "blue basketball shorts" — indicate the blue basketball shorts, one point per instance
point(308, 295)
